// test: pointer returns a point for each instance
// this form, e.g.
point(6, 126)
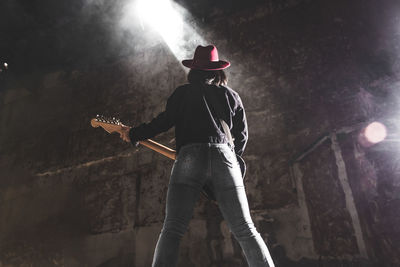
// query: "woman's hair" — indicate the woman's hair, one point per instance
point(216, 77)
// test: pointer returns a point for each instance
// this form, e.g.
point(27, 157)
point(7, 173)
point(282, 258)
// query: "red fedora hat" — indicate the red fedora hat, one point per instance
point(206, 58)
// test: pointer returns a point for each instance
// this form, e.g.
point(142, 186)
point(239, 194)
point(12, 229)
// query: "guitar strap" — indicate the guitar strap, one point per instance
point(227, 133)
point(206, 189)
point(224, 125)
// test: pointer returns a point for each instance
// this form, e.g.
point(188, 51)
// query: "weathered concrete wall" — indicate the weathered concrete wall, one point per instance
point(311, 75)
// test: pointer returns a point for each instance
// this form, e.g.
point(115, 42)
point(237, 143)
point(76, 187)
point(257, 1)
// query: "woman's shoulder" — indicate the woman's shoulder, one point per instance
point(180, 90)
point(230, 92)
point(182, 87)
point(232, 96)
point(222, 89)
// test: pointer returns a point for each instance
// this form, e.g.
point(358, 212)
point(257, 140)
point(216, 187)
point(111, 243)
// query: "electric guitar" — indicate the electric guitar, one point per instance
point(112, 125)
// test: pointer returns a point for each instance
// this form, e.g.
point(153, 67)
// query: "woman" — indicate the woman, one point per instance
point(204, 157)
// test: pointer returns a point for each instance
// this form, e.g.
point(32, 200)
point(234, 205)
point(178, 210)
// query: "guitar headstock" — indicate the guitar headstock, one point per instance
point(107, 123)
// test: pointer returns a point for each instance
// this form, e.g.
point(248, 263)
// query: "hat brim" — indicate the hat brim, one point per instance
point(211, 65)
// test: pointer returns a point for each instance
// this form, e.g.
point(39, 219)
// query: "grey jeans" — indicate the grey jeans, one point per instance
point(216, 165)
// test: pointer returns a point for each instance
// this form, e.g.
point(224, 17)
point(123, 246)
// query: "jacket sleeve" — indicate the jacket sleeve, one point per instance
point(239, 129)
point(161, 123)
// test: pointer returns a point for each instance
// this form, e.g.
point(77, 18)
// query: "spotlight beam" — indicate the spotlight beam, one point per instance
point(168, 20)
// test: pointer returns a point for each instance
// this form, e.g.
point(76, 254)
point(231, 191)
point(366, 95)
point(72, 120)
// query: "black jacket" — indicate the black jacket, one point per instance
point(198, 122)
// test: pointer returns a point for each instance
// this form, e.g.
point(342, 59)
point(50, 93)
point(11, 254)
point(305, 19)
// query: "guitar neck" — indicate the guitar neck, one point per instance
point(113, 125)
point(166, 151)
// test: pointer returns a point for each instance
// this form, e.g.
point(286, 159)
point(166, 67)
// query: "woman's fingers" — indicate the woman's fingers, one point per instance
point(124, 136)
point(124, 133)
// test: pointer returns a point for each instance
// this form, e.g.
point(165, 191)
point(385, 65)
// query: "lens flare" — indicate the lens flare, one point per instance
point(374, 133)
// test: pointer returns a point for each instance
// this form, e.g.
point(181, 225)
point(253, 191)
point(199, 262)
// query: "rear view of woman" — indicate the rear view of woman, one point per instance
point(200, 110)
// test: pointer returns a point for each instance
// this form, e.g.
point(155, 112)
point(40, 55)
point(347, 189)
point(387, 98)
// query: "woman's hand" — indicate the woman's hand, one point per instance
point(124, 133)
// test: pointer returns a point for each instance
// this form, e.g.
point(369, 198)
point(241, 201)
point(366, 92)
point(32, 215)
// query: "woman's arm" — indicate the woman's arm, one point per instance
point(239, 129)
point(161, 123)
point(144, 131)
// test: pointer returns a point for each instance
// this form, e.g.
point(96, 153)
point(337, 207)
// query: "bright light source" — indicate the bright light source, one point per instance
point(167, 19)
point(161, 16)
point(375, 132)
